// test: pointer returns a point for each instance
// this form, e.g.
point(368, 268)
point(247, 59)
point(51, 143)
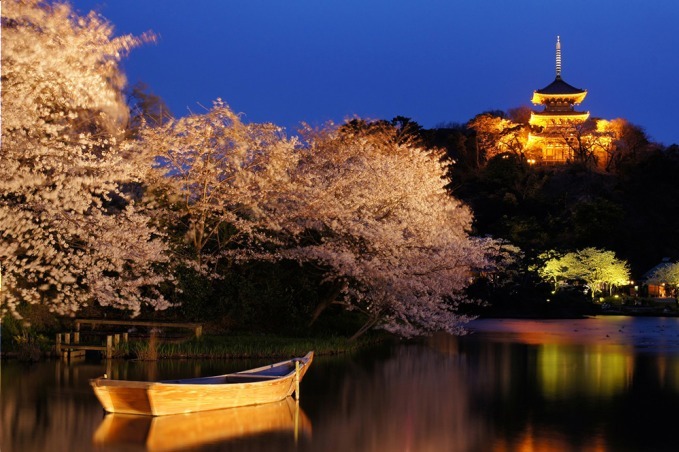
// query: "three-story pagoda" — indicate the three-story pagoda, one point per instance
point(555, 127)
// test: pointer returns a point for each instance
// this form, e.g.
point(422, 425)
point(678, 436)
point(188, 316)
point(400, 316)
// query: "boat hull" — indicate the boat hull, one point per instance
point(184, 396)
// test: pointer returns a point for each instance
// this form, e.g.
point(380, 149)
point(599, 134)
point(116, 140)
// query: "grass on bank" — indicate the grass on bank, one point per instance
point(35, 341)
point(244, 346)
point(28, 347)
point(207, 347)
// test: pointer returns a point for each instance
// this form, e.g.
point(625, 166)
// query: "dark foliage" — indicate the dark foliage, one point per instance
point(628, 207)
point(262, 297)
point(630, 211)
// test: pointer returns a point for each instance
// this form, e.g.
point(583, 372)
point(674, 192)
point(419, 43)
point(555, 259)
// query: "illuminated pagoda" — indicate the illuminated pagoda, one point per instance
point(554, 132)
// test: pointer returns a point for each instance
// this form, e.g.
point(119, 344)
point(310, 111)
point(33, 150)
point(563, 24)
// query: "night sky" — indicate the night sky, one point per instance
point(435, 61)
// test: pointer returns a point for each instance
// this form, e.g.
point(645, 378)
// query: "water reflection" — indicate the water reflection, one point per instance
point(49, 406)
point(496, 390)
point(655, 334)
point(190, 431)
point(598, 371)
point(573, 385)
point(41, 404)
point(414, 398)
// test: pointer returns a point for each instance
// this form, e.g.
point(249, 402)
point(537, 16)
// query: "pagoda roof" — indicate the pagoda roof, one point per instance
point(560, 113)
point(560, 87)
point(545, 117)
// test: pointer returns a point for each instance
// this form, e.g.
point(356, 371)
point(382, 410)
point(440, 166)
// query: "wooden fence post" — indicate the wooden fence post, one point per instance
point(109, 347)
point(76, 337)
point(67, 341)
point(199, 330)
point(58, 347)
point(126, 337)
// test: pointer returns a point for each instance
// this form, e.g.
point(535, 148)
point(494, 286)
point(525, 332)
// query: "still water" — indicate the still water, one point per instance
point(584, 385)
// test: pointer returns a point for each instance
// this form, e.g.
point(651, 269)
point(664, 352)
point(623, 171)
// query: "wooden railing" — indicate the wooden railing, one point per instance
point(65, 347)
point(68, 343)
point(196, 327)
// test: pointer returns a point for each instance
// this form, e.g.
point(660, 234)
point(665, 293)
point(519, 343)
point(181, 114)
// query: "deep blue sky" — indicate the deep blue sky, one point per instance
point(287, 61)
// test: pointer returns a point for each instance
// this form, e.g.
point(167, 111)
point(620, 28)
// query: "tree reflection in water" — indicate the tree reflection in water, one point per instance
point(415, 399)
point(45, 408)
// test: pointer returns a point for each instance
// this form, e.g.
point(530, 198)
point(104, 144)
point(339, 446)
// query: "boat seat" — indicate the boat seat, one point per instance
point(262, 375)
point(279, 371)
point(249, 378)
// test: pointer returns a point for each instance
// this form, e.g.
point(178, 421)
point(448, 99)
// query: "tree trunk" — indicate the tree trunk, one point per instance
point(372, 321)
point(329, 299)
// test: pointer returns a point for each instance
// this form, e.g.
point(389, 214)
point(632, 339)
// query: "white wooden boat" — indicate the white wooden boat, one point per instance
point(250, 387)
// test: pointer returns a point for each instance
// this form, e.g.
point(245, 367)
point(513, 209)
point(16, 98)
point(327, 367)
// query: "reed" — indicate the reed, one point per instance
point(147, 350)
point(213, 347)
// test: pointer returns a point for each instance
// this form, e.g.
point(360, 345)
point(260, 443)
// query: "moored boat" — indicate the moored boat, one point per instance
point(265, 384)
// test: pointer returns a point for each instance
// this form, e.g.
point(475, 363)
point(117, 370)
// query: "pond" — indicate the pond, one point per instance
point(608, 383)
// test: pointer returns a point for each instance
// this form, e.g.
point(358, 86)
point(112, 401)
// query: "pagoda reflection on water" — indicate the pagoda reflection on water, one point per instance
point(554, 129)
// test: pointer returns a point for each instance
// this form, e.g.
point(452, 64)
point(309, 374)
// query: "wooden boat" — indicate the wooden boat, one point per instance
point(194, 430)
point(250, 387)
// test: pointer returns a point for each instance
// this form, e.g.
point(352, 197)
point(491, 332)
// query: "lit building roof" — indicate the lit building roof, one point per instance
point(546, 118)
point(559, 90)
point(559, 87)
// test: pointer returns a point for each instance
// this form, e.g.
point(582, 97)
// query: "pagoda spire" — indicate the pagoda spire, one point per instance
point(558, 58)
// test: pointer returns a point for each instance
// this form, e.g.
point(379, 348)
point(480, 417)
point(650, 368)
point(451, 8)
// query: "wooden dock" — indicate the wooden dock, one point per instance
point(196, 327)
point(68, 345)
point(68, 349)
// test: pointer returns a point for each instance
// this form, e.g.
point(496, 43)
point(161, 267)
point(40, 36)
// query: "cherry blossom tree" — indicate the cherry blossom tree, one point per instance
point(361, 204)
point(372, 211)
point(221, 178)
point(71, 233)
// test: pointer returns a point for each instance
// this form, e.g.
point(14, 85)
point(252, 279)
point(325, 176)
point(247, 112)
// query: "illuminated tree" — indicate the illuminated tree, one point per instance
point(372, 211)
point(605, 144)
point(70, 234)
point(497, 135)
point(625, 142)
point(146, 109)
point(599, 269)
point(556, 267)
point(220, 175)
point(667, 274)
point(361, 204)
point(520, 115)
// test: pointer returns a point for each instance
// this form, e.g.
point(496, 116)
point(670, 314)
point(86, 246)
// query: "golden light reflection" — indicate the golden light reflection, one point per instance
point(540, 439)
point(599, 370)
point(188, 431)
